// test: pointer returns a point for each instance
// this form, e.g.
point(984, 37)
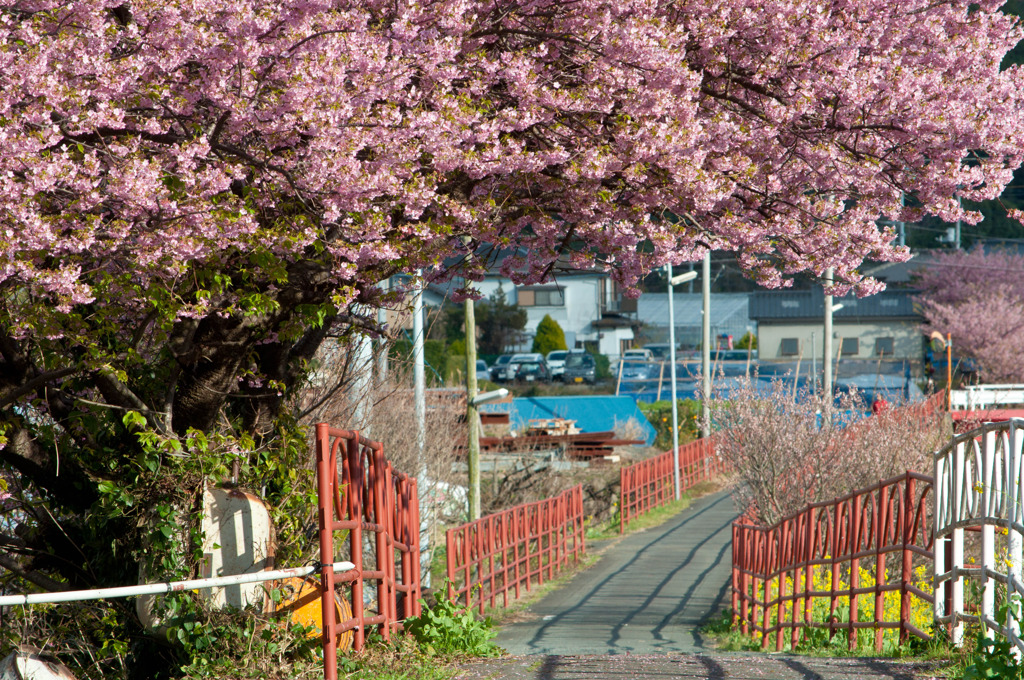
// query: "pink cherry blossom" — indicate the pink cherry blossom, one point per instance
point(150, 137)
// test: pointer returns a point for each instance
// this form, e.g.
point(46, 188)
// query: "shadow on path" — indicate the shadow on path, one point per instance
point(649, 593)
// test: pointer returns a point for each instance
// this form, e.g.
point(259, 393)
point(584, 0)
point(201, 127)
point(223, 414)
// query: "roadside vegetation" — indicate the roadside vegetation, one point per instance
point(790, 449)
point(785, 443)
point(659, 414)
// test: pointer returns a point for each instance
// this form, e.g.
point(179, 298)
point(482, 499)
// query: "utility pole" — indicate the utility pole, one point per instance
point(418, 372)
point(382, 343)
point(814, 366)
point(472, 413)
point(902, 226)
point(420, 414)
point(956, 238)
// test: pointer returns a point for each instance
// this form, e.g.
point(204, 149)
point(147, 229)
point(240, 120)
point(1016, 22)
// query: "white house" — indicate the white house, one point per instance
point(588, 305)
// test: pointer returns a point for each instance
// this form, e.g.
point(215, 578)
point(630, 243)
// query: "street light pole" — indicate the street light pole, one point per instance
point(672, 281)
point(419, 382)
point(826, 382)
point(814, 367)
point(705, 350)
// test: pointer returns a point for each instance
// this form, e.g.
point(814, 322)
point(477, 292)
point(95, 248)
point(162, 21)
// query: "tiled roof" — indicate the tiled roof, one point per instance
point(726, 308)
point(810, 304)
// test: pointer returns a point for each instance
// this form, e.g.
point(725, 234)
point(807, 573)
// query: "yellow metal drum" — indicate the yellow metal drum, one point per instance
point(302, 597)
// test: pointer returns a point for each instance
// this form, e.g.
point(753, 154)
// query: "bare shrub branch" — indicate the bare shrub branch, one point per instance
point(791, 450)
point(346, 390)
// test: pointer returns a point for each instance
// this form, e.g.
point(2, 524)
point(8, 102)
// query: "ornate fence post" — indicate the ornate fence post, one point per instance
point(326, 478)
point(856, 517)
point(906, 521)
point(882, 520)
point(956, 549)
point(988, 543)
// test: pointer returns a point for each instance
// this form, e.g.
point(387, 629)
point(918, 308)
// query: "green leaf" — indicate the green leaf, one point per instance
point(133, 420)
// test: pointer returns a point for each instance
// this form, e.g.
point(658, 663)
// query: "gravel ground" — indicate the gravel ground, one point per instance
point(723, 666)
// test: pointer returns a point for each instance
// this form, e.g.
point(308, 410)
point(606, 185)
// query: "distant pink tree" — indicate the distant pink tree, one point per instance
point(977, 297)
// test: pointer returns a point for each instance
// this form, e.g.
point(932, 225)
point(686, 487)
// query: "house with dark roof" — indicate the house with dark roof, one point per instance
point(790, 325)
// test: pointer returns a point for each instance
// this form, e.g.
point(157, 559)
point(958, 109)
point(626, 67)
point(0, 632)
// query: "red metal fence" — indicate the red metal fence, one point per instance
point(773, 579)
point(378, 508)
point(501, 554)
point(650, 483)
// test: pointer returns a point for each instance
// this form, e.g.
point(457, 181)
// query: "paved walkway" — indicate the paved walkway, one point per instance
point(635, 615)
point(648, 594)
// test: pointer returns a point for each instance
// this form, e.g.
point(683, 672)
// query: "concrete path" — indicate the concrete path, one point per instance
point(648, 593)
point(634, 616)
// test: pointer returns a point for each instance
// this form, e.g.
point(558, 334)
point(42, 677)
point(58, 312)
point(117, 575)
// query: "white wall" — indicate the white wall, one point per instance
point(611, 341)
point(906, 338)
point(581, 305)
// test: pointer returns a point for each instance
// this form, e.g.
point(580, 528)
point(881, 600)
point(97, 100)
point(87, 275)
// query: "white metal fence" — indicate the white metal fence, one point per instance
point(978, 478)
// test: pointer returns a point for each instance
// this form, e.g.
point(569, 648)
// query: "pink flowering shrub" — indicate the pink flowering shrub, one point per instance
point(788, 452)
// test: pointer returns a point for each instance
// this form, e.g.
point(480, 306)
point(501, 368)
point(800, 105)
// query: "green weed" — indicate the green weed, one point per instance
point(995, 657)
point(447, 629)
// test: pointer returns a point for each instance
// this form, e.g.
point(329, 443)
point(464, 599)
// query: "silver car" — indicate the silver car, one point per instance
point(556, 362)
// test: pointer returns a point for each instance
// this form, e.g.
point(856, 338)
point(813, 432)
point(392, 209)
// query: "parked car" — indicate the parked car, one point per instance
point(638, 355)
point(532, 371)
point(733, 354)
point(636, 370)
point(509, 370)
point(580, 367)
point(482, 372)
point(556, 362)
point(499, 364)
point(660, 350)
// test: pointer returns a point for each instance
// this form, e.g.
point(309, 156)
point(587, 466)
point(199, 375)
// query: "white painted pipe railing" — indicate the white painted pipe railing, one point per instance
point(171, 587)
point(975, 397)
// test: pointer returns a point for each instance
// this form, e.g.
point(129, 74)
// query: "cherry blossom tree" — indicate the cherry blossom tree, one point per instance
point(977, 297)
point(194, 195)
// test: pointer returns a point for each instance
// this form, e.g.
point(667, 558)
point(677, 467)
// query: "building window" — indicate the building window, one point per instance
point(790, 347)
point(541, 297)
point(884, 347)
point(851, 347)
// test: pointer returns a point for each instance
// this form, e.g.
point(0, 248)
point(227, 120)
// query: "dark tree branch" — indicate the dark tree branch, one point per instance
point(63, 477)
point(118, 394)
point(31, 576)
point(35, 383)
